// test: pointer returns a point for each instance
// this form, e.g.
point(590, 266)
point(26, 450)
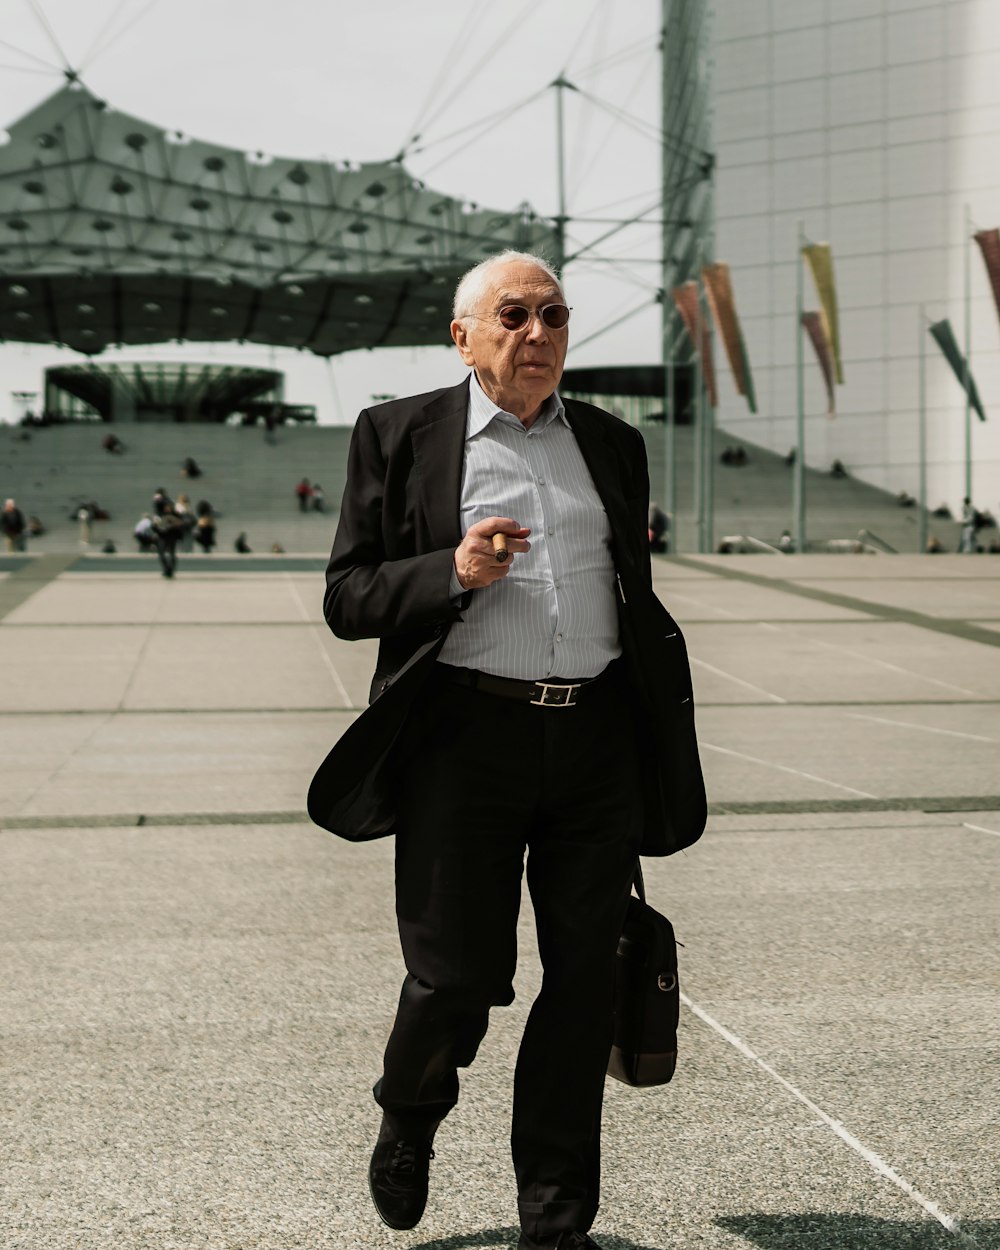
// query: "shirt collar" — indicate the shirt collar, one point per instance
point(482, 410)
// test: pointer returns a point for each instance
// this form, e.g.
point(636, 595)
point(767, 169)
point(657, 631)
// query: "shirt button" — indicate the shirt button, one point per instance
point(558, 637)
point(541, 481)
point(552, 529)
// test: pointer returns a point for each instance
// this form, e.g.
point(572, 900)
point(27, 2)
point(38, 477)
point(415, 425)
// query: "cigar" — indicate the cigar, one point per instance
point(500, 547)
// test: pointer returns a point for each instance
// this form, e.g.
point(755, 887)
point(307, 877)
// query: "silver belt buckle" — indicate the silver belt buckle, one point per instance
point(563, 697)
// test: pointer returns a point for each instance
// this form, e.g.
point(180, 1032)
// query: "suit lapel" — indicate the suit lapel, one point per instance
point(438, 457)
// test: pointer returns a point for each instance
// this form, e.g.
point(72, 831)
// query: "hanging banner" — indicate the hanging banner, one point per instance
point(719, 290)
point(689, 307)
point(814, 327)
point(820, 260)
point(944, 336)
point(989, 245)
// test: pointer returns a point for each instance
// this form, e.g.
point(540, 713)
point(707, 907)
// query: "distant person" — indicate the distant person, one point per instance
point(190, 468)
point(277, 549)
point(942, 511)
point(204, 532)
point(658, 525)
point(967, 537)
point(786, 542)
point(167, 531)
point(905, 500)
point(304, 493)
point(159, 501)
point(35, 527)
point(85, 515)
point(145, 533)
point(182, 507)
point(109, 548)
point(113, 445)
point(14, 527)
point(318, 498)
point(837, 469)
point(241, 545)
point(791, 456)
point(934, 546)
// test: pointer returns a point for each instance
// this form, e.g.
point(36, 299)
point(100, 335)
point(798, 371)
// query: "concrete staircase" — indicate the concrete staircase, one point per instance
point(251, 483)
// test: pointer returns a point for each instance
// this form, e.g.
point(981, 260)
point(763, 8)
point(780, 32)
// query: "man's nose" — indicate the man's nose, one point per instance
point(537, 329)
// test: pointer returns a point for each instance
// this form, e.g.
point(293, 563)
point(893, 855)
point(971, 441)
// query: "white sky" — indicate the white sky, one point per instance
point(354, 80)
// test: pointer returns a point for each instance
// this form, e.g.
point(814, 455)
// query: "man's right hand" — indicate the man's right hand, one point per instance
point(475, 560)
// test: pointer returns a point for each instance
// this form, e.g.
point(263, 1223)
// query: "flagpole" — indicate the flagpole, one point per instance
point(922, 501)
point(709, 437)
point(967, 369)
point(799, 468)
point(699, 408)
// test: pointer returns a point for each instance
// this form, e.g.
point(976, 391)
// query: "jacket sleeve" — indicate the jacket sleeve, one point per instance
point(369, 595)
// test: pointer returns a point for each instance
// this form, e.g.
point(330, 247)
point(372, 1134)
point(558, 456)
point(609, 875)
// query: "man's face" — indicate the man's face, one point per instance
point(518, 369)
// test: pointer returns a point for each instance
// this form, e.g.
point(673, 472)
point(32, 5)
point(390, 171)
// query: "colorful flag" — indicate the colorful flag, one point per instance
point(944, 336)
point(814, 327)
point(719, 290)
point(820, 260)
point(989, 245)
point(689, 306)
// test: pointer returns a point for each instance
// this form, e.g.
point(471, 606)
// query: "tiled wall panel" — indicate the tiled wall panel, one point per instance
point(879, 124)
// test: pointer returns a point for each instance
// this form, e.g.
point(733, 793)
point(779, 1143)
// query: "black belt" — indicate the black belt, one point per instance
point(559, 692)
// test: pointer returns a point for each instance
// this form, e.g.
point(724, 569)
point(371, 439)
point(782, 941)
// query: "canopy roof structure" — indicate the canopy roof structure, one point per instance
point(115, 232)
point(159, 390)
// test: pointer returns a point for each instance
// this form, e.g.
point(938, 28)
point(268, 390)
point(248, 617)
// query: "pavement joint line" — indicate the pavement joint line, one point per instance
point(954, 628)
point(981, 829)
point(789, 807)
point(875, 1161)
point(138, 820)
point(797, 772)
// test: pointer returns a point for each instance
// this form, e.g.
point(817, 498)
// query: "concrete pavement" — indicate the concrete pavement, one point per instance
point(199, 983)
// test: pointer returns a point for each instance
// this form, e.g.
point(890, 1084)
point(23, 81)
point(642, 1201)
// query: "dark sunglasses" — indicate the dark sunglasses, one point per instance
point(515, 317)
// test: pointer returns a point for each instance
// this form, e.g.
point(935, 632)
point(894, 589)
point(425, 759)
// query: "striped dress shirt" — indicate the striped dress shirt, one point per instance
point(555, 613)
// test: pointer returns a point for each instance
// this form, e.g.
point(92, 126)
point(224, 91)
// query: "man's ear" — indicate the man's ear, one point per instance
point(461, 338)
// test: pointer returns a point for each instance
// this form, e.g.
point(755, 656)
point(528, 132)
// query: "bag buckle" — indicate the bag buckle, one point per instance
point(560, 696)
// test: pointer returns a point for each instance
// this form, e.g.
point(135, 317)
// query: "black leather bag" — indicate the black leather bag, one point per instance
point(647, 996)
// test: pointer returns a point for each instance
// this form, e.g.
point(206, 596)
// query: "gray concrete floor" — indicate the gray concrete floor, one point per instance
point(198, 983)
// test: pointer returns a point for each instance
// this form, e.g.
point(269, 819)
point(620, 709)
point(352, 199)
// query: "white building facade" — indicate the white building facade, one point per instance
point(875, 125)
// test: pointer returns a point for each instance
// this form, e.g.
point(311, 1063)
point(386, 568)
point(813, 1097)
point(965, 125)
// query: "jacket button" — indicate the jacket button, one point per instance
point(385, 685)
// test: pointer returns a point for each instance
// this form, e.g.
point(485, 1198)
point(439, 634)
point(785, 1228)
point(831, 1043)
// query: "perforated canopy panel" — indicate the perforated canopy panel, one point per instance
point(113, 232)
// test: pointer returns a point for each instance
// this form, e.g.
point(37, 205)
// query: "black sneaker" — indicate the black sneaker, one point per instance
point(562, 1241)
point(397, 1178)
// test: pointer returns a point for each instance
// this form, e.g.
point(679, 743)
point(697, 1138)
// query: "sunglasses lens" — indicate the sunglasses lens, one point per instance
point(555, 316)
point(513, 318)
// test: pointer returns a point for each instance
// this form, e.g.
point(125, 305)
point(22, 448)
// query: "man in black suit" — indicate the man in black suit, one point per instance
point(535, 706)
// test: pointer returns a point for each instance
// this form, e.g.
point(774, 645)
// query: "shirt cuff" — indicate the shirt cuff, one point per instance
point(455, 589)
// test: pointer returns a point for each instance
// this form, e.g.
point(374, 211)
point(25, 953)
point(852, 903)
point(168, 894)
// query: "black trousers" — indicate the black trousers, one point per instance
point(484, 781)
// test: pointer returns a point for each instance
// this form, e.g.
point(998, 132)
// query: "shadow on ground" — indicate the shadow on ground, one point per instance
point(857, 1232)
point(507, 1237)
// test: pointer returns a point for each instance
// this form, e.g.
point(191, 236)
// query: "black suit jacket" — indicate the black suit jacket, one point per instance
point(389, 577)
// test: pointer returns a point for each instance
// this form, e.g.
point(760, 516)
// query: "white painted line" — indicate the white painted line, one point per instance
point(895, 668)
point(981, 829)
point(700, 603)
point(869, 1156)
point(862, 794)
point(775, 698)
point(928, 729)
point(341, 688)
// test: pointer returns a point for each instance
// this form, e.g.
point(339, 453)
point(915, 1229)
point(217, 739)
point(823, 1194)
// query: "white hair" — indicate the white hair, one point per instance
point(474, 283)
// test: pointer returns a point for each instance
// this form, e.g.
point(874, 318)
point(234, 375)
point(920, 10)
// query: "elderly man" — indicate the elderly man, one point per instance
point(531, 707)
